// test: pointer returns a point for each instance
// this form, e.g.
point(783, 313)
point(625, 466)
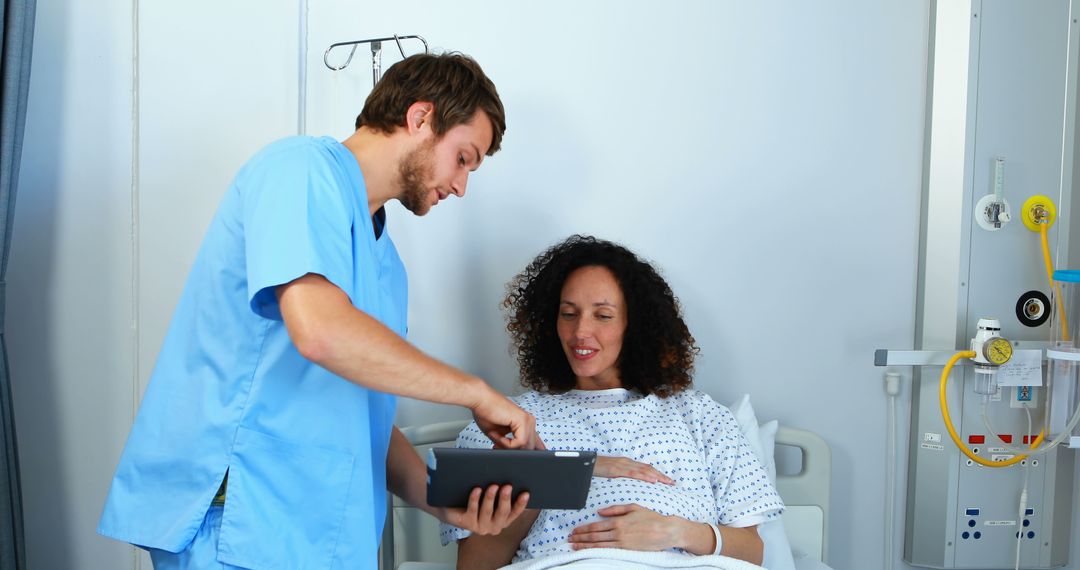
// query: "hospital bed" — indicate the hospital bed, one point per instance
point(411, 539)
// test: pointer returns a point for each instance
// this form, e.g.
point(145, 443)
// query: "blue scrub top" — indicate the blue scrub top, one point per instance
point(305, 449)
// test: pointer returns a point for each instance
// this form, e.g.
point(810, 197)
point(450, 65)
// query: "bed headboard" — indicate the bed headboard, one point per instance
point(414, 536)
point(806, 493)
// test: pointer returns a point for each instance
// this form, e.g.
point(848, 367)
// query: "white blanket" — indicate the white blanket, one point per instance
point(601, 558)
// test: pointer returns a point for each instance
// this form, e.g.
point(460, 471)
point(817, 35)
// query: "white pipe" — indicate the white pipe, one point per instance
point(892, 390)
point(301, 98)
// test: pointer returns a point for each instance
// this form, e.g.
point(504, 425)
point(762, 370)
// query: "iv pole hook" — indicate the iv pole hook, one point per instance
point(376, 48)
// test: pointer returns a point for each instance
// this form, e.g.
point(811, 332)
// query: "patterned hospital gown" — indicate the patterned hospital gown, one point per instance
point(687, 436)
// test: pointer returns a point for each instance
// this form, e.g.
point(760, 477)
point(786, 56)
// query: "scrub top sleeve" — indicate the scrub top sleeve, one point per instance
point(298, 219)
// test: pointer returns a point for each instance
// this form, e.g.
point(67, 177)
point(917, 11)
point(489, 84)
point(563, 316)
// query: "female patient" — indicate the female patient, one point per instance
point(601, 342)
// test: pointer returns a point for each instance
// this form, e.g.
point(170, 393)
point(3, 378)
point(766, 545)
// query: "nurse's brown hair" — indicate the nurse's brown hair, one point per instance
point(452, 82)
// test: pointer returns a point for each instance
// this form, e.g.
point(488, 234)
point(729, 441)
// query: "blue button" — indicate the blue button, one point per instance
point(971, 522)
point(972, 512)
point(965, 535)
point(1027, 522)
point(978, 535)
point(1031, 534)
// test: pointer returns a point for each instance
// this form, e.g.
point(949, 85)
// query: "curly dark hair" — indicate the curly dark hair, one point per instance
point(658, 351)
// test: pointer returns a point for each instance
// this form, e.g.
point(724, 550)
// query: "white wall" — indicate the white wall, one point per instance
point(203, 110)
point(69, 292)
point(767, 156)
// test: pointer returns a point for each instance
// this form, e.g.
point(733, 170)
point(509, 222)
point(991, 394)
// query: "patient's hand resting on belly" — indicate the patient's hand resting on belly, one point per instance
point(631, 526)
point(634, 527)
point(612, 467)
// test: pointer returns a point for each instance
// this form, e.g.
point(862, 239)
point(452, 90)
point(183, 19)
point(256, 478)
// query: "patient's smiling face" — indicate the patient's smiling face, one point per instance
point(591, 324)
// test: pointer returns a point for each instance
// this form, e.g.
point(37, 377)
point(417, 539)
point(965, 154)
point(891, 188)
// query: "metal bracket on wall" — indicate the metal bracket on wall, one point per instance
point(376, 52)
point(886, 357)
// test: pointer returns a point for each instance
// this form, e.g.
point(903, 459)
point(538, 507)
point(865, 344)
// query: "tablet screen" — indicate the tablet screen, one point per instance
point(554, 479)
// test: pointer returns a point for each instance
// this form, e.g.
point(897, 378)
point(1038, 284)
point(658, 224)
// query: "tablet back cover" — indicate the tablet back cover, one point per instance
point(554, 479)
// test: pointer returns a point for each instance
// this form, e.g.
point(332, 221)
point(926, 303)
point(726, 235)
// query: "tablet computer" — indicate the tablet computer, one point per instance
point(554, 479)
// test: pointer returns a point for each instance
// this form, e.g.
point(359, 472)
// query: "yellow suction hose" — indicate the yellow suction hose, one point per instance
point(952, 431)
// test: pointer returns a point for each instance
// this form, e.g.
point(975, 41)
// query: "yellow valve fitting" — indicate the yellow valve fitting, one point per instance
point(1038, 210)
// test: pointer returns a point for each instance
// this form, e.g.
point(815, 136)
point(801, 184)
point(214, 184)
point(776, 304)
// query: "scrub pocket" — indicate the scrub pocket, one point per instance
point(284, 505)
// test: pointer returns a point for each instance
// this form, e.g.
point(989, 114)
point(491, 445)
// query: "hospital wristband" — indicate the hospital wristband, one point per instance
point(719, 541)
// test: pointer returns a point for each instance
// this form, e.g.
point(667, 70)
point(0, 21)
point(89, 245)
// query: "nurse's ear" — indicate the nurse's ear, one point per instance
point(419, 115)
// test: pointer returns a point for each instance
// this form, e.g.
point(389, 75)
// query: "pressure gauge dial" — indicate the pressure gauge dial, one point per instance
point(998, 351)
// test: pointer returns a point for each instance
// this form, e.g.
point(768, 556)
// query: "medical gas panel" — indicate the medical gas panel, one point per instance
point(1019, 143)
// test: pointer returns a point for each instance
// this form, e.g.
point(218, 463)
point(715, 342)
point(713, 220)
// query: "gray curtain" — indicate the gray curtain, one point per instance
point(16, 39)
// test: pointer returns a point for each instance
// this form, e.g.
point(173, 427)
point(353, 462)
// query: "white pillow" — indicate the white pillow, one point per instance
point(748, 425)
point(767, 432)
point(762, 440)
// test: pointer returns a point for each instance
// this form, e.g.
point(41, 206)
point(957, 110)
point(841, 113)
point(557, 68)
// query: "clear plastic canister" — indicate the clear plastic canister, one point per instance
point(1065, 313)
point(1063, 356)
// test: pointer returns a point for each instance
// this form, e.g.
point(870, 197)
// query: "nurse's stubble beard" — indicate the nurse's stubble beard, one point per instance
point(416, 167)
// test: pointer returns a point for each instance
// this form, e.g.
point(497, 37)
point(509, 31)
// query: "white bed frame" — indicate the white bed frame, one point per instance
point(412, 536)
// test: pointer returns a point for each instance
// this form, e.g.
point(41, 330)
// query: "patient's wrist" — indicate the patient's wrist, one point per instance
point(696, 538)
point(440, 513)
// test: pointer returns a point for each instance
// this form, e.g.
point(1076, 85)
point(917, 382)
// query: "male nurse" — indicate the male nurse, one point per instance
point(265, 437)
